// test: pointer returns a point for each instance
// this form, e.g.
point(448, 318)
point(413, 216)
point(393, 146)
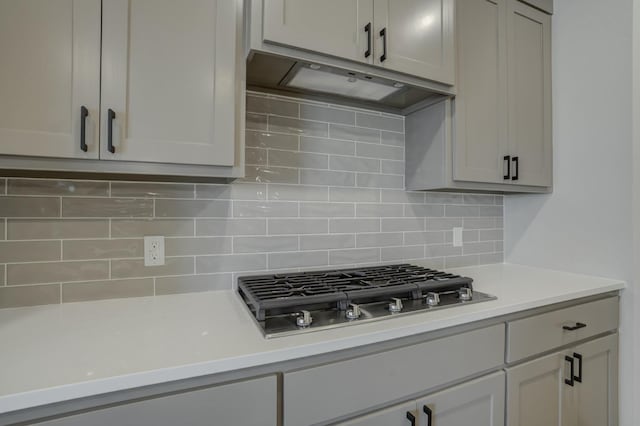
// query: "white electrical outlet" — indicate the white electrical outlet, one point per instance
point(457, 237)
point(154, 251)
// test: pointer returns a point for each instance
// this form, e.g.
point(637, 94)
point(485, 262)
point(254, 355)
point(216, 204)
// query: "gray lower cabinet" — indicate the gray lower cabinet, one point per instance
point(573, 387)
point(338, 390)
point(247, 403)
point(476, 403)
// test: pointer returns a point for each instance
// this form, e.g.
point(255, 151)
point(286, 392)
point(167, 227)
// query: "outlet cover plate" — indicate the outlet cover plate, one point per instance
point(153, 251)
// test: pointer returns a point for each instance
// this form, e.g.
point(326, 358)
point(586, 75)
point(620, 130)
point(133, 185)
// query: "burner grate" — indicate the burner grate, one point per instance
point(288, 293)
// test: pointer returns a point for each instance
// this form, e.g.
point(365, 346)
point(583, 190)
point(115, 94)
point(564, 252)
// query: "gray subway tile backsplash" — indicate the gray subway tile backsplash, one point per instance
point(56, 229)
point(324, 188)
point(327, 114)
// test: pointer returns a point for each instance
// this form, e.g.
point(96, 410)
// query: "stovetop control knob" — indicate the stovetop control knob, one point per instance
point(304, 319)
point(353, 312)
point(433, 299)
point(395, 305)
point(465, 293)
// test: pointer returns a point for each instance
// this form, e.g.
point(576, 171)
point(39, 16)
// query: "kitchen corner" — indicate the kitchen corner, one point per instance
point(304, 213)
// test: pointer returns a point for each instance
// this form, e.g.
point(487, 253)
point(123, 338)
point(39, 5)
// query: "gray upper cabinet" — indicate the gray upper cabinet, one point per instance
point(413, 37)
point(529, 64)
point(49, 78)
point(480, 134)
point(495, 135)
point(134, 82)
point(333, 27)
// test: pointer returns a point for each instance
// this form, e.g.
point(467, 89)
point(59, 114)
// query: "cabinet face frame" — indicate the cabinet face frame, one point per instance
point(116, 89)
point(83, 61)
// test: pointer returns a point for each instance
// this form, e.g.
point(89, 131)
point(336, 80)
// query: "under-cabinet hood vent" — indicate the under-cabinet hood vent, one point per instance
point(338, 82)
point(276, 74)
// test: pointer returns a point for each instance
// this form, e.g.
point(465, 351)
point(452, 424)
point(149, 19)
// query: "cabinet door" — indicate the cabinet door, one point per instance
point(249, 403)
point(50, 69)
point(480, 124)
point(419, 37)
point(334, 27)
point(169, 78)
point(479, 403)
point(596, 395)
point(394, 416)
point(529, 63)
point(537, 394)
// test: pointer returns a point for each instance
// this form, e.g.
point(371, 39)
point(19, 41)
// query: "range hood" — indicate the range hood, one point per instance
point(293, 77)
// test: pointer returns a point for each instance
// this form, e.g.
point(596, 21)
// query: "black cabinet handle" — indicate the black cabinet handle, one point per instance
point(578, 378)
point(411, 418)
point(507, 161)
point(570, 361)
point(578, 326)
point(111, 115)
point(383, 34)
point(84, 113)
point(516, 168)
point(429, 414)
point(367, 29)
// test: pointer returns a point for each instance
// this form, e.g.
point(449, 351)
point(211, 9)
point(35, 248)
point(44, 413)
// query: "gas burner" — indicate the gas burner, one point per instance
point(290, 303)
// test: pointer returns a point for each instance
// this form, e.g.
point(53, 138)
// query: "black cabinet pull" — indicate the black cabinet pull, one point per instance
point(578, 378)
point(111, 115)
point(383, 34)
point(507, 161)
point(570, 361)
point(516, 168)
point(578, 326)
point(84, 113)
point(411, 418)
point(367, 29)
point(429, 414)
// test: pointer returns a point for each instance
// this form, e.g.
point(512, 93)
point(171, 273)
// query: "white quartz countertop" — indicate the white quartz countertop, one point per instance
point(56, 353)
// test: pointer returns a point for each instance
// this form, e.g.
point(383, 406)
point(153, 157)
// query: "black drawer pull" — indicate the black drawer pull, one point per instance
point(578, 378)
point(111, 115)
point(578, 326)
point(429, 414)
point(411, 418)
point(383, 34)
point(507, 161)
point(367, 29)
point(570, 361)
point(84, 113)
point(516, 168)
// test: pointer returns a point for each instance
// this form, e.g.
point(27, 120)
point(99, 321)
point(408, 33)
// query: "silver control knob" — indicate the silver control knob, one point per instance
point(304, 319)
point(353, 312)
point(433, 299)
point(395, 305)
point(465, 293)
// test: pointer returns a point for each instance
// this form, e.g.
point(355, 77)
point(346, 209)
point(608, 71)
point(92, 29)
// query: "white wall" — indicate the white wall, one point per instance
point(585, 225)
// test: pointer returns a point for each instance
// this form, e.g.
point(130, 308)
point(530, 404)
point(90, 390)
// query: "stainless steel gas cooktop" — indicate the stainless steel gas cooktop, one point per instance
point(285, 304)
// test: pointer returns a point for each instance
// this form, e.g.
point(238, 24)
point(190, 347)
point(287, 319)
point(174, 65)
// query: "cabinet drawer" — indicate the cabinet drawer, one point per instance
point(248, 403)
point(334, 390)
point(540, 333)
